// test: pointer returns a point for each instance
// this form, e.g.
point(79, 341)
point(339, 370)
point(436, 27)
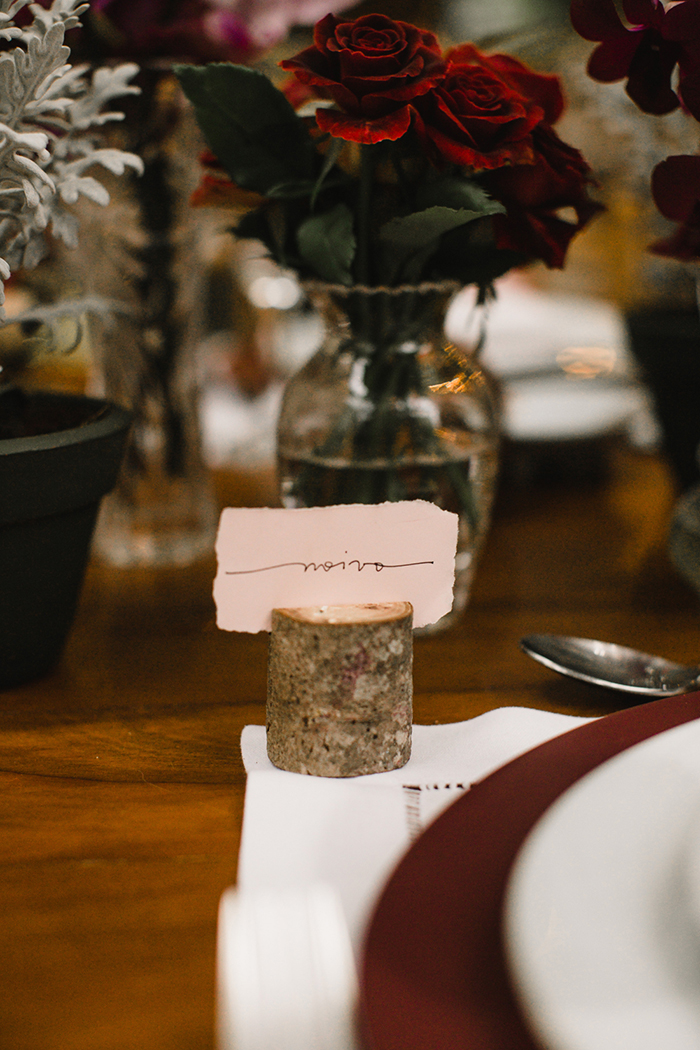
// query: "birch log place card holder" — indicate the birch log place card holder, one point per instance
point(340, 590)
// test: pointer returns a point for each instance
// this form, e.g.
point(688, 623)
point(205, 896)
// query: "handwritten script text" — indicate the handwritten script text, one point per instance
point(378, 566)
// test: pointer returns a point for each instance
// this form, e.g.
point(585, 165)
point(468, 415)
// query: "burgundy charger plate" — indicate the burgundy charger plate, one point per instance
point(433, 973)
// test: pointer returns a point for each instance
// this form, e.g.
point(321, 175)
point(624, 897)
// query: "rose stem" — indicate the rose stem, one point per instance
point(364, 202)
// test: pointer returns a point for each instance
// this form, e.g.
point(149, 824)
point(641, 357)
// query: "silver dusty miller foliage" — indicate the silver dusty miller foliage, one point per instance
point(50, 116)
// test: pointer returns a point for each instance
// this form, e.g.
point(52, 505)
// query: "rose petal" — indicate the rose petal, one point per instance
point(370, 67)
point(357, 129)
point(541, 88)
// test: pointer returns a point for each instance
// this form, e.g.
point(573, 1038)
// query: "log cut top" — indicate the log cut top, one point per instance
point(381, 612)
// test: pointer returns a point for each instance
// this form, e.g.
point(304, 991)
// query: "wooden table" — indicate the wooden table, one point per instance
point(120, 774)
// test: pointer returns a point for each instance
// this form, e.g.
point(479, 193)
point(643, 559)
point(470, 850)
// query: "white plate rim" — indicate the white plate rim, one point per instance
point(600, 880)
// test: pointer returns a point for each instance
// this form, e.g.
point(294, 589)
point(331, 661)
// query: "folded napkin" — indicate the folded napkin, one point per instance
point(299, 830)
point(315, 854)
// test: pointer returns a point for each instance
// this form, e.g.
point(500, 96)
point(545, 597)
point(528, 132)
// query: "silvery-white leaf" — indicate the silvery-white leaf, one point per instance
point(108, 83)
point(98, 120)
point(68, 80)
point(114, 80)
point(43, 55)
point(73, 186)
point(66, 12)
point(40, 89)
point(46, 107)
point(32, 168)
point(35, 251)
point(115, 160)
point(34, 140)
point(65, 226)
point(41, 217)
point(9, 8)
point(30, 194)
point(54, 82)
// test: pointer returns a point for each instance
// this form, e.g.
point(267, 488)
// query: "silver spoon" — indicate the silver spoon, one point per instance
point(610, 665)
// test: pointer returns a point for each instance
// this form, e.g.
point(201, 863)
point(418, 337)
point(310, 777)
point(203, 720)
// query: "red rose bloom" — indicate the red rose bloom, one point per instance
point(535, 195)
point(645, 54)
point(372, 68)
point(296, 93)
point(482, 113)
point(540, 88)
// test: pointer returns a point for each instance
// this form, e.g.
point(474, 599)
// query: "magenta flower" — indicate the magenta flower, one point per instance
point(194, 30)
point(675, 185)
point(269, 21)
point(201, 30)
point(647, 52)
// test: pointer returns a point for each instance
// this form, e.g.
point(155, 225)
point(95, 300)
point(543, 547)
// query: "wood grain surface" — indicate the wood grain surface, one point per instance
point(121, 783)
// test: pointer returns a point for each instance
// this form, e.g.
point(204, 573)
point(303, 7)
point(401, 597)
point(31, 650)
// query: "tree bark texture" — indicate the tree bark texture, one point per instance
point(340, 689)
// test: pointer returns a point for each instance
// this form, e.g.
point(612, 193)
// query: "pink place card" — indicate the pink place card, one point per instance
point(270, 558)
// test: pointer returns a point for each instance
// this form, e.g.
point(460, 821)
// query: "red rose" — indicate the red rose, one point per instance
point(296, 93)
point(482, 113)
point(372, 68)
point(537, 197)
point(541, 88)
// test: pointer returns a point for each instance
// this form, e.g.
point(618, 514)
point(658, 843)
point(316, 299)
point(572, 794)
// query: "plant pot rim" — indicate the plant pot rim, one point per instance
point(53, 473)
point(111, 418)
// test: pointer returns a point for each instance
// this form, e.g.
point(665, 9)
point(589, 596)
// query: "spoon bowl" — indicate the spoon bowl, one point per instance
point(612, 666)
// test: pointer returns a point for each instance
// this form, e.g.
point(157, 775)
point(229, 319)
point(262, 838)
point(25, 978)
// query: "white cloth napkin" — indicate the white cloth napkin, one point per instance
point(315, 853)
point(298, 830)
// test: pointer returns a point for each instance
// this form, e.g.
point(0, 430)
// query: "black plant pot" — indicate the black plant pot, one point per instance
point(51, 484)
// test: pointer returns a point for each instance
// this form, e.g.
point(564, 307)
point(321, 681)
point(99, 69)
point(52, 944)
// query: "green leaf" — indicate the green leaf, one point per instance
point(425, 227)
point(327, 244)
point(409, 241)
point(249, 125)
point(455, 191)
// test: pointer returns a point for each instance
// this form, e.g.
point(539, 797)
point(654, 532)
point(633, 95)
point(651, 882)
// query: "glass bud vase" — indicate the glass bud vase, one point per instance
point(148, 264)
point(387, 410)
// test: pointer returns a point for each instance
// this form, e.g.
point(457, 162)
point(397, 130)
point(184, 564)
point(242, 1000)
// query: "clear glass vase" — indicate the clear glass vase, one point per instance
point(387, 410)
point(147, 264)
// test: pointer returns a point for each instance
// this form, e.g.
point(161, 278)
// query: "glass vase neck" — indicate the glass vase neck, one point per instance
point(383, 318)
